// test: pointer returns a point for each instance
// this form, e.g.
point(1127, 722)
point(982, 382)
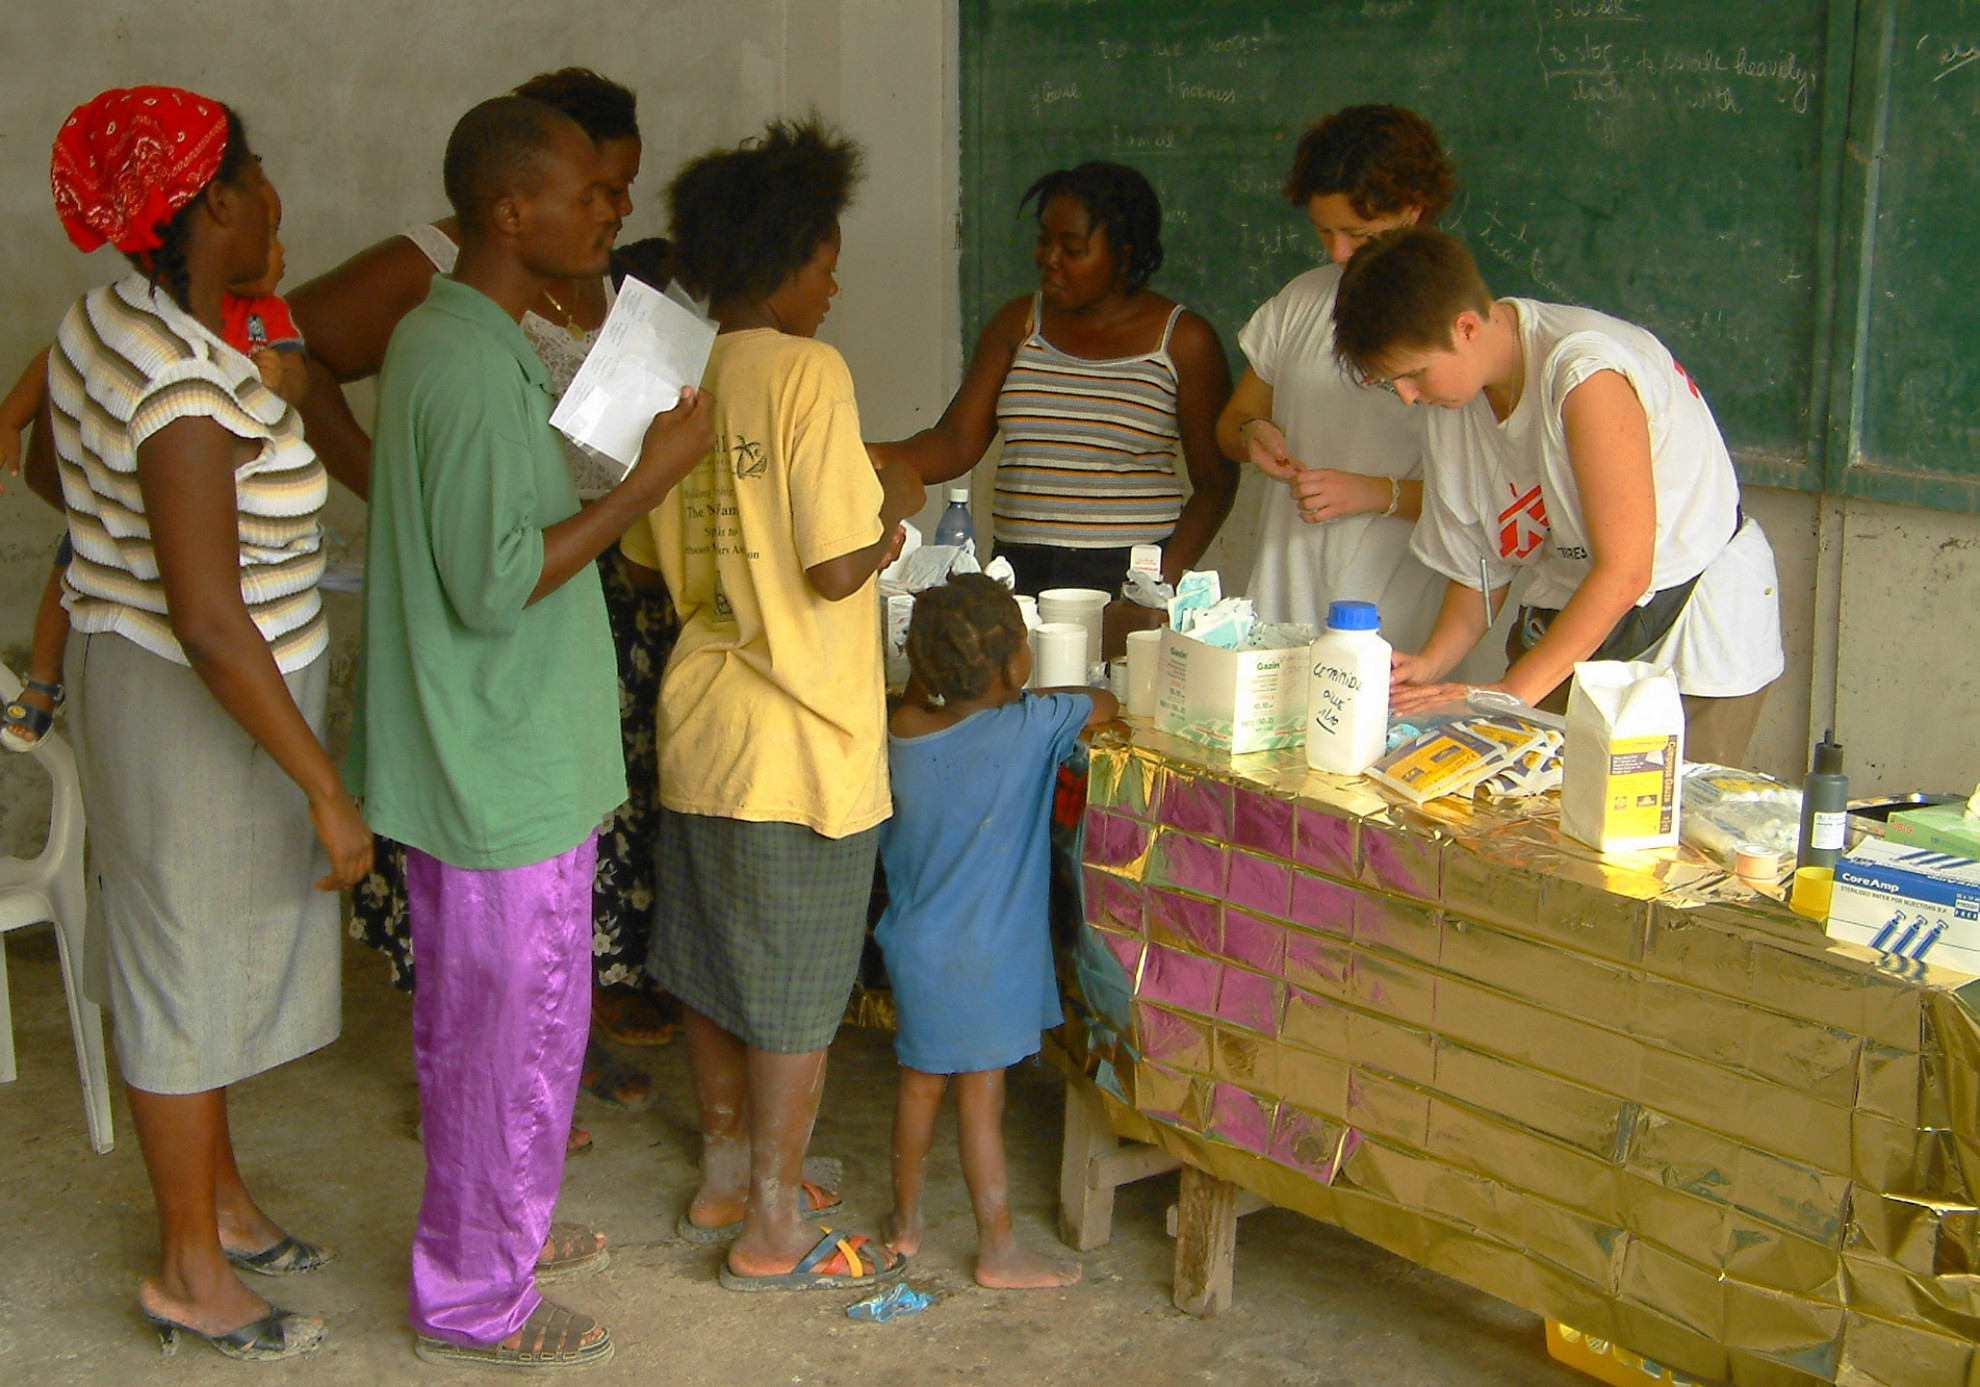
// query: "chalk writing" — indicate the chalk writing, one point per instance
point(1199, 91)
point(1956, 55)
point(1048, 93)
point(1508, 243)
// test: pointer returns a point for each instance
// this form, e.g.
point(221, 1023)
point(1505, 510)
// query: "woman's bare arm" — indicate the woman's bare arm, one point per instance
point(1203, 386)
point(186, 475)
point(956, 442)
point(347, 316)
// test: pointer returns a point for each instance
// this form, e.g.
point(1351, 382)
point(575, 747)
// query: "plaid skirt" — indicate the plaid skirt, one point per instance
point(761, 925)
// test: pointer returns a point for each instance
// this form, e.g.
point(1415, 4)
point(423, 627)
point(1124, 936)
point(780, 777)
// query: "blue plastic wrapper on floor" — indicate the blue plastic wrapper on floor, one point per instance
point(898, 1299)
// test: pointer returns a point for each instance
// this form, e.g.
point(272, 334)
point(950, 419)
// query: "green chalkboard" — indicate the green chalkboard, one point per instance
point(1916, 302)
point(1675, 162)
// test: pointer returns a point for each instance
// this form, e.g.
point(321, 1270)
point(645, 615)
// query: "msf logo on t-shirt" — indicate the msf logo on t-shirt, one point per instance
point(1523, 523)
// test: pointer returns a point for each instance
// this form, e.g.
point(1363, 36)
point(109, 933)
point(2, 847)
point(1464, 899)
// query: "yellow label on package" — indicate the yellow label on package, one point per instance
point(1642, 790)
point(1443, 761)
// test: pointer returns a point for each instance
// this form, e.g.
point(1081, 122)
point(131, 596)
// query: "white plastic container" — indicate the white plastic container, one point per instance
point(1347, 694)
point(1080, 605)
point(1059, 655)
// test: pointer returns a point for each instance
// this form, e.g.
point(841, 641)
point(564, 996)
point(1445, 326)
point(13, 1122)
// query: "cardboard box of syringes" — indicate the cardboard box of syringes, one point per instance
point(1909, 902)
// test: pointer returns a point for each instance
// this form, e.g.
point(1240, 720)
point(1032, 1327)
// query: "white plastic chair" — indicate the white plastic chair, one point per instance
point(50, 887)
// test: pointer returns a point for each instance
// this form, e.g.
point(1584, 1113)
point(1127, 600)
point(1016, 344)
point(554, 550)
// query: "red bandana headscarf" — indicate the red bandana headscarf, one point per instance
point(126, 163)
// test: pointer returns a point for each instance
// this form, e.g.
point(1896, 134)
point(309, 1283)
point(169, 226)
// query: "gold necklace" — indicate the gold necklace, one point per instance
point(570, 318)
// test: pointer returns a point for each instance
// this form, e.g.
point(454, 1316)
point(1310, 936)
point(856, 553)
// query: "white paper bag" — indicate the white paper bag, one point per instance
point(1625, 744)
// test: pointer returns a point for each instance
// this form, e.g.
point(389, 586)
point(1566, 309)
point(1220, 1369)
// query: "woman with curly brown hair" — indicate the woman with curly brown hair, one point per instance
point(1347, 458)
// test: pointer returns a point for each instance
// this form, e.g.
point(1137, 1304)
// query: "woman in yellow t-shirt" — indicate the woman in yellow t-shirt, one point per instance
point(773, 773)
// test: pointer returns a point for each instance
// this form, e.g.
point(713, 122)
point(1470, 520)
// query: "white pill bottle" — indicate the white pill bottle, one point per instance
point(1347, 697)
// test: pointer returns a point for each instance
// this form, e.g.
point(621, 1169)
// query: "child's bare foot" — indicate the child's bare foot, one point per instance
point(1014, 1269)
point(903, 1235)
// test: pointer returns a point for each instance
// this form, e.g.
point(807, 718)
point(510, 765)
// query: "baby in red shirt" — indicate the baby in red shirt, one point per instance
point(255, 322)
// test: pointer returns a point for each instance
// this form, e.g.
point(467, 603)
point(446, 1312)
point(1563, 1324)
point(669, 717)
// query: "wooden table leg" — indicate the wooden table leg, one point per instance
point(1206, 1243)
point(1086, 1211)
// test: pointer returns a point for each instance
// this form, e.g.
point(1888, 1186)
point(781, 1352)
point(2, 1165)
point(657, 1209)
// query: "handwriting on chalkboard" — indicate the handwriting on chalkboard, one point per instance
point(1579, 51)
point(1960, 53)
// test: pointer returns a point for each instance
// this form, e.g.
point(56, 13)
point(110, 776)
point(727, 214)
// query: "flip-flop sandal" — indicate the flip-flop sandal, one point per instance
point(565, 1260)
point(286, 1257)
point(22, 726)
point(609, 1020)
point(616, 1084)
point(818, 1202)
point(548, 1321)
point(837, 1262)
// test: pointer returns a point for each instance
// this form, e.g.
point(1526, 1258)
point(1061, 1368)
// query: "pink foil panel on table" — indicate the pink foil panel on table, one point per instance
point(1394, 859)
point(1194, 864)
point(1126, 949)
point(1163, 1093)
point(1186, 921)
point(1264, 822)
point(1324, 841)
point(1250, 1000)
point(1241, 1118)
point(1178, 1041)
point(1114, 840)
point(1180, 980)
point(1194, 804)
point(1320, 904)
point(1259, 883)
point(1310, 1144)
point(1320, 965)
point(1112, 903)
point(1256, 943)
point(1318, 1023)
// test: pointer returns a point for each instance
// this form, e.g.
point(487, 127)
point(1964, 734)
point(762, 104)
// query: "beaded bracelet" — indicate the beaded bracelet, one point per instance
point(1395, 496)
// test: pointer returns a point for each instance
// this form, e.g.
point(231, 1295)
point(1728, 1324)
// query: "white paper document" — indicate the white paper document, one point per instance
point(648, 349)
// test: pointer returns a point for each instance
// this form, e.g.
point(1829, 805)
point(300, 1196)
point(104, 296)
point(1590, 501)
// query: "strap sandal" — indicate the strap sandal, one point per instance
point(276, 1335)
point(574, 1251)
point(816, 1202)
point(287, 1257)
point(836, 1262)
point(612, 1081)
point(22, 725)
point(630, 1016)
point(552, 1337)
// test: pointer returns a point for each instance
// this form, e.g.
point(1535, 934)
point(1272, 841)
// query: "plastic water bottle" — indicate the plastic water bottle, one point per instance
point(1347, 695)
point(955, 526)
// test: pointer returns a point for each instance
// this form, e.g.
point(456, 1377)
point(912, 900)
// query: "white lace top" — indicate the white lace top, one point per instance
point(560, 351)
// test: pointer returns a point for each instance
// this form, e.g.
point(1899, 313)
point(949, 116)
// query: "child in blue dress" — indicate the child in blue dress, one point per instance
point(973, 759)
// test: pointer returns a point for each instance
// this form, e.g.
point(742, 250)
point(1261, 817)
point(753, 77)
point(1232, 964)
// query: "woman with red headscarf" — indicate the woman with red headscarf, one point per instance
point(199, 674)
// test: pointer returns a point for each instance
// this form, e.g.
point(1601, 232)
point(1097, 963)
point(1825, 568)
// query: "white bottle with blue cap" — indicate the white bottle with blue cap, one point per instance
point(1347, 695)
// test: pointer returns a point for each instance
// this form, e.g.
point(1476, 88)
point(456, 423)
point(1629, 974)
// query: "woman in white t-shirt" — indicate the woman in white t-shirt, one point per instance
point(1346, 460)
point(1574, 445)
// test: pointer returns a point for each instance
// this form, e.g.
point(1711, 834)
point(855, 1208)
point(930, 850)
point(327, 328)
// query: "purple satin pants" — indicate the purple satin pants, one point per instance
point(500, 1019)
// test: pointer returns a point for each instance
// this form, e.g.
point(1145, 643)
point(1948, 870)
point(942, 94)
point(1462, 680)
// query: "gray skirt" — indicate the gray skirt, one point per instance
point(759, 926)
point(216, 956)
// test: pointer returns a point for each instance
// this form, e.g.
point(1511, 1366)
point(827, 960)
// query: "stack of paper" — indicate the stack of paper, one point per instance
point(650, 347)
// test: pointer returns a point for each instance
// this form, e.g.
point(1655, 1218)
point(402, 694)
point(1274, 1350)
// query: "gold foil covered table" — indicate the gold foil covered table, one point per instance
point(1626, 1092)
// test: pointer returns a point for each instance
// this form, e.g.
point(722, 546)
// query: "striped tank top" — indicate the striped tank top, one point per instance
point(127, 362)
point(1089, 457)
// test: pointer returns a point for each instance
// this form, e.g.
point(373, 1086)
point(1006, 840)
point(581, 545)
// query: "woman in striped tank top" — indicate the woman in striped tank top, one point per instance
point(1097, 382)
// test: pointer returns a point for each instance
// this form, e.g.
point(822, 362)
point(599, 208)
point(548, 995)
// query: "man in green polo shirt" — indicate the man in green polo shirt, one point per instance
point(487, 732)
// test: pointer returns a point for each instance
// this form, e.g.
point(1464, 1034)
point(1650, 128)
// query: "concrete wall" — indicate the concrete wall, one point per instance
point(350, 108)
point(350, 102)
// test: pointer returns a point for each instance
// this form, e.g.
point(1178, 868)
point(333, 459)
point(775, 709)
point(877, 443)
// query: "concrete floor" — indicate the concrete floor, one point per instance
point(328, 1144)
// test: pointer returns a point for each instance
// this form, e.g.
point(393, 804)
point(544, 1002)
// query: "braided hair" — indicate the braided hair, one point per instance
point(166, 265)
point(1120, 201)
point(962, 633)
